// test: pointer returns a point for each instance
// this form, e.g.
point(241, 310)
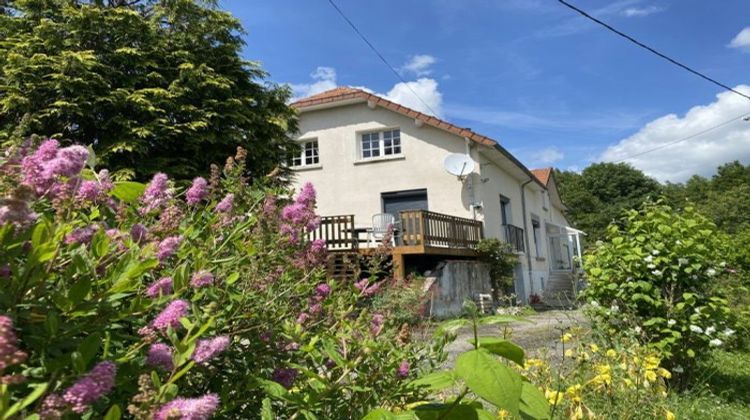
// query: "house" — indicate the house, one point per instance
point(367, 155)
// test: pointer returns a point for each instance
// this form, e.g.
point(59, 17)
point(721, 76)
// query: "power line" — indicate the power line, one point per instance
point(692, 136)
point(375, 50)
point(662, 55)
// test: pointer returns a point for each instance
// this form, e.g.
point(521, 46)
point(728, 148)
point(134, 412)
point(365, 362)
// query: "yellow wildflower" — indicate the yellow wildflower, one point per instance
point(650, 375)
point(668, 415)
point(577, 414)
point(567, 337)
point(574, 392)
point(503, 414)
point(652, 362)
point(531, 363)
point(611, 353)
point(594, 347)
point(554, 397)
point(664, 373)
point(569, 353)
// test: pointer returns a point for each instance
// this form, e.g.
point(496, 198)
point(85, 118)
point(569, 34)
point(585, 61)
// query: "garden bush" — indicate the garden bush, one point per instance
point(152, 301)
point(653, 279)
point(502, 262)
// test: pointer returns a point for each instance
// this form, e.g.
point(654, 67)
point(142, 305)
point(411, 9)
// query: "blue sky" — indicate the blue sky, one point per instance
point(553, 88)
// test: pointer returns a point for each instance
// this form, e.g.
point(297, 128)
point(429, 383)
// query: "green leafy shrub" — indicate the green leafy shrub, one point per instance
point(502, 260)
point(119, 298)
point(652, 278)
point(401, 301)
point(481, 375)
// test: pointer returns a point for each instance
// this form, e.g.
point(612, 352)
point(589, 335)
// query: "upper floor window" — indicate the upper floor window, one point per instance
point(307, 156)
point(380, 143)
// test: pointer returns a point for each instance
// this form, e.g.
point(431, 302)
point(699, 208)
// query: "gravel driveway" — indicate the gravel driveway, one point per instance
point(540, 336)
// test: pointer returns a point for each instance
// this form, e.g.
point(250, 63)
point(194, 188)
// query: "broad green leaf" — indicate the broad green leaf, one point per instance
point(490, 379)
point(379, 414)
point(273, 389)
point(232, 278)
point(447, 411)
point(38, 390)
point(128, 191)
point(89, 347)
point(80, 289)
point(435, 381)
point(114, 413)
point(533, 403)
point(266, 411)
point(502, 348)
point(450, 327)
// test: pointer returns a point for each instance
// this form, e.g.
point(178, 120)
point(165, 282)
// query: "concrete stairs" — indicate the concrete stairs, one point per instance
point(558, 290)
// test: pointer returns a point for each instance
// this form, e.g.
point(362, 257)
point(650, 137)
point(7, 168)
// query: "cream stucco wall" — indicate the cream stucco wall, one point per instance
point(348, 185)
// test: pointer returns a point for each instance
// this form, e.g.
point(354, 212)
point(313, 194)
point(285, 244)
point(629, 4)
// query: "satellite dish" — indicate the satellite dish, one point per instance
point(458, 164)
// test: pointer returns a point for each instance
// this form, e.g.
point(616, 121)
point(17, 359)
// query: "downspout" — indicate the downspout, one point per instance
point(526, 233)
point(470, 182)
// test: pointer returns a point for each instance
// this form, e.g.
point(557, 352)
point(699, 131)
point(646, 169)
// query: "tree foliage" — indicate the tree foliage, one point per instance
point(600, 193)
point(153, 85)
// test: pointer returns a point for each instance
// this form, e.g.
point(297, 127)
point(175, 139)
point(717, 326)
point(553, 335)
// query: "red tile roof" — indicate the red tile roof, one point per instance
point(543, 175)
point(347, 93)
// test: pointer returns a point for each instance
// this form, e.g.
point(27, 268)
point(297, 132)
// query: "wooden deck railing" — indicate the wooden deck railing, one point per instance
point(429, 229)
point(514, 236)
point(337, 231)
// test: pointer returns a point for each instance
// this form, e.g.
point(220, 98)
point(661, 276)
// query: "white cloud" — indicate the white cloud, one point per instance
point(324, 78)
point(547, 156)
point(426, 88)
point(419, 64)
point(641, 11)
point(742, 40)
point(699, 155)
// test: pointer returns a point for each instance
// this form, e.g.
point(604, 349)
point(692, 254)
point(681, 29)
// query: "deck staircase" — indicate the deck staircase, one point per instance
point(558, 290)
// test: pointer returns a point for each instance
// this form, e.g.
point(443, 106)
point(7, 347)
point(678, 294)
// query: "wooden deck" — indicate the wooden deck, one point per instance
point(420, 233)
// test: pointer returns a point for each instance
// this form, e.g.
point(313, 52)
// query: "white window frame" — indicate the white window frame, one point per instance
point(302, 160)
point(375, 144)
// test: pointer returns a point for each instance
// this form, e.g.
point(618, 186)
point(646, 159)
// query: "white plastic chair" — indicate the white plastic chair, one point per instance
point(381, 222)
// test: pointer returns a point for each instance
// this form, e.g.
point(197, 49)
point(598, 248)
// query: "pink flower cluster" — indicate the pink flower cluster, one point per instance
point(170, 316)
point(168, 247)
point(366, 289)
point(42, 169)
point(376, 324)
point(226, 204)
point(96, 190)
point(202, 279)
point(207, 349)
point(403, 370)
point(300, 216)
point(9, 353)
point(157, 194)
point(189, 408)
point(97, 383)
point(197, 192)
point(138, 233)
point(161, 287)
point(285, 376)
point(81, 236)
point(160, 356)
point(312, 255)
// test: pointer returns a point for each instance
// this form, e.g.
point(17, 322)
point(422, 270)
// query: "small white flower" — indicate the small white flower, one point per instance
point(696, 329)
point(648, 259)
point(595, 304)
point(694, 277)
point(671, 322)
point(711, 272)
point(723, 264)
point(682, 261)
point(657, 273)
point(655, 252)
point(245, 342)
point(637, 329)
point(651, 266)
point(728, 332)
point(710, 330)
point(614, 308)
point(716, 342)
point(678, 369)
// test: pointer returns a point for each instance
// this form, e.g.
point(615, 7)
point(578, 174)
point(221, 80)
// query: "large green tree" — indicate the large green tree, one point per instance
point(152, 85)
point(600, 193)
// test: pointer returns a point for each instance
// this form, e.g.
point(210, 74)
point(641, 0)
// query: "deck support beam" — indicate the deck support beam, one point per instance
point(399, 266)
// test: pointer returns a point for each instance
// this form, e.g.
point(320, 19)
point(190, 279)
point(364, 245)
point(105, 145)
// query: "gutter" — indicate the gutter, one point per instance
point(526, 231)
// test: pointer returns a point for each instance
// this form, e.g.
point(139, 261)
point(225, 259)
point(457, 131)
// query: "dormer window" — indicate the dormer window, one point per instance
point(380, 144)
point(308, 155)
